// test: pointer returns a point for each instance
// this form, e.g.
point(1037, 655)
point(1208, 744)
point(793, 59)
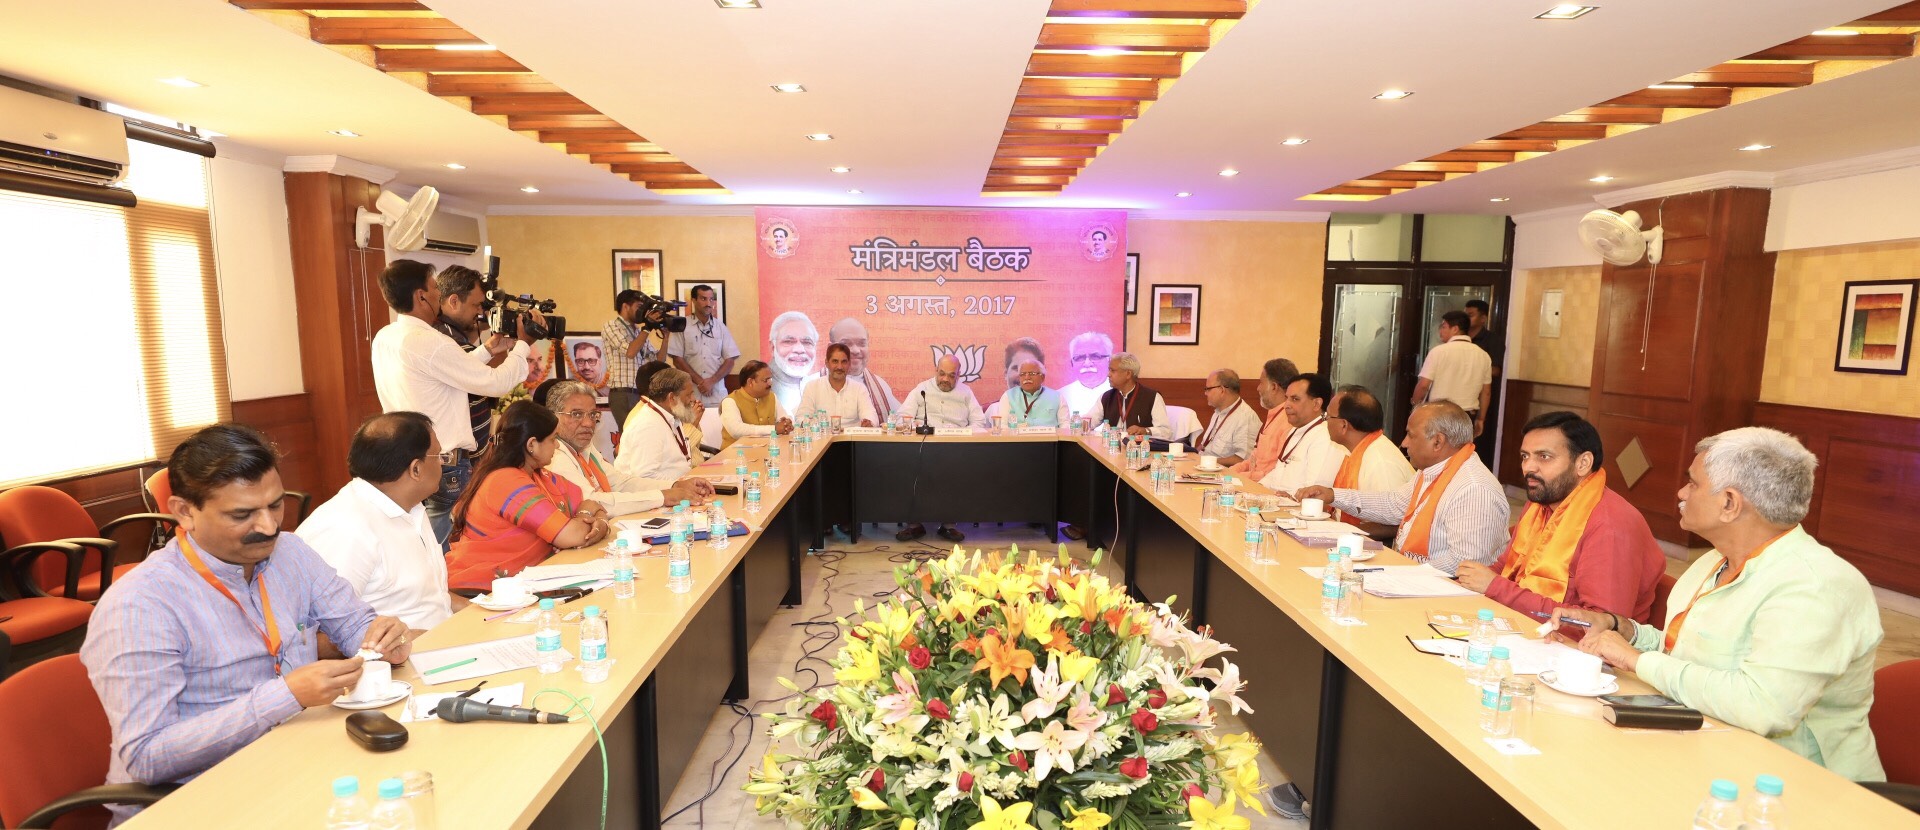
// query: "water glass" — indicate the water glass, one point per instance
point(836, 425)
point(997, 423)
point(1353, 589)
point(1210, 506)
point(419, 796)
point(1268, 549)
point(1519, 719)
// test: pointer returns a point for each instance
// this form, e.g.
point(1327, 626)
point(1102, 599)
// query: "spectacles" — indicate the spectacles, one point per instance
point(582, 415)
point(1211, 388)
point(448, 457)
point(1089, 358)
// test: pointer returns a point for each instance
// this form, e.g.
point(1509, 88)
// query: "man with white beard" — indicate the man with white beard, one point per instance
point(652, 446)
point(792, 342)
point(850, 333)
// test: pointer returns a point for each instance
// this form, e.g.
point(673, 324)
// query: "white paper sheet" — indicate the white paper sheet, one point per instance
point(489, 657)
point(421, 707)
point(1530, 656)
point(1401, 581)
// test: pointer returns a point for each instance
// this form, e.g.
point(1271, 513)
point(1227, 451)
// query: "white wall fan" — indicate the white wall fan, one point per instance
point(1618, 239)
point(405, 220)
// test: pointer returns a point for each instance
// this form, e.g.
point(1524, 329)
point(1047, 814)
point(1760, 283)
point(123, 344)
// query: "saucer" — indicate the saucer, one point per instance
point(1213, 469)
point(1611, 685)
point(1313, 517)
point(486, 601)
point(1363, 556)
point(397, 691)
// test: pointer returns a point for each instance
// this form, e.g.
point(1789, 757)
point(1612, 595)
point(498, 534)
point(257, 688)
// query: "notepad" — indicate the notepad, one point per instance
point(1529, 656)
point(489, 657)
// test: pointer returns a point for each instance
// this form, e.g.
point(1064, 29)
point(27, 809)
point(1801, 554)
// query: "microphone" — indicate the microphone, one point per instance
point(465, 709)
point(923, 428)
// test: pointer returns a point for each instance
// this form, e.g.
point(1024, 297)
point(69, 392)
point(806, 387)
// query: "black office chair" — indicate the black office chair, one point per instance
point(1905, 795)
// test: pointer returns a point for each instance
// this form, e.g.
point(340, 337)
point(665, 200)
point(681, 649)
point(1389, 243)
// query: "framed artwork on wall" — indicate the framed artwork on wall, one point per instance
point(1876, 326)
point(1175, 316)
point(683, 291)
point(586, 358)
point(1133, 283)
point(639, 270)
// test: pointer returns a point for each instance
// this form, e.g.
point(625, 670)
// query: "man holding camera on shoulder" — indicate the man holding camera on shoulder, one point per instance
point(419, 368)
point(630, 342)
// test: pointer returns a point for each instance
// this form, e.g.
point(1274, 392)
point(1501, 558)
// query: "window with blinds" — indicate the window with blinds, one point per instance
point(112, 318)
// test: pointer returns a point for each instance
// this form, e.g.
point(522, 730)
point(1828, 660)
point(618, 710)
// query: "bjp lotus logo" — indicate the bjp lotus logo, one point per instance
point(970, 358)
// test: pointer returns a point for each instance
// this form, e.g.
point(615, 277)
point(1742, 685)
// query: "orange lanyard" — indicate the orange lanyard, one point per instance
point(674, 428)
point(1213, 427)
point(271, 635)
point(1708, 586)
point(591, 468)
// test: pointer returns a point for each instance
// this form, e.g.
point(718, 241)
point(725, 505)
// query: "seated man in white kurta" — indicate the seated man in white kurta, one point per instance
point(1232, 429)
point(836, 395)
point(579, 462)
point(942, 401)
point(652, 445)
point(1309, 457)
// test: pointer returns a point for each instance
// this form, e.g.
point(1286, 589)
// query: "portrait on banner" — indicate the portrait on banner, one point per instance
point(586, 361)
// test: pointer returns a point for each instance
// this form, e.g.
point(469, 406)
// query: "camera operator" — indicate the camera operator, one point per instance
point(630, 342)
point(705, 349)
point(418, 368)
point(462, 306)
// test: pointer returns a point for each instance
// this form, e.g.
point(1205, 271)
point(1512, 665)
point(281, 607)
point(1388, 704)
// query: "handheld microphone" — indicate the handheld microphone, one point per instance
point(923, 428)
point(465, 709)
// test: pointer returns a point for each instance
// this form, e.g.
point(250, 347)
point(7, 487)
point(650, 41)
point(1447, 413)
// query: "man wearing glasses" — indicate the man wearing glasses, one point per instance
point(1087, 355)
point(1231, 432)
point(1029, 403)
point(579, 462)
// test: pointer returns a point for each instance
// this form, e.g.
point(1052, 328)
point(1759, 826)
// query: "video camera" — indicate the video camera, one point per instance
point(658, 314)
point(507, 313)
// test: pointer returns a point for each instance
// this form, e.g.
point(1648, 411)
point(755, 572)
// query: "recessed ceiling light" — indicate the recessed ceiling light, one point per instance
point(1564, 11)
point(1757, 147)
point(1498, 199)
point(529, 189)
point(1107, 53)
point(183, 83)
point(1182, 194)
point(819, 136)
point(1835, 33)
point(454, 165)
point(344, 133)
point(466, 47)
point(841, 169)
point(1602, 179)
point(1393, 95)
point(1671, 86)
point(1295, 142)
point(210, 135)
point(789, 88)
point(738, 4)
point(1229, 172)
point(855, 191)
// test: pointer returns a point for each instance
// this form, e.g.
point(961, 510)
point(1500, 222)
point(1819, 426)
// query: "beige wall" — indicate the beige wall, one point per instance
point(1259, 297)
point(570, 258)
point(1567, 359)
point(1805, 326)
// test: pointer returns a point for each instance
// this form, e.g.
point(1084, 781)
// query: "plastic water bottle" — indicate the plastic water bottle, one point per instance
point(1764, 809)
point(773, 453)
point(753, 494)
point(1333, 595)
point(717, 527)
point(1229, 493)
point(679, 564)
point(349, 810)
point(682, 522)
point(773, 474)
point(623, 586)
point(1480, 645)
point(393, 812)
point(740, 463)
point(1495, 704)
point(1721, 810)
point(1251, 536)
point(593, 646)
point(546, 638)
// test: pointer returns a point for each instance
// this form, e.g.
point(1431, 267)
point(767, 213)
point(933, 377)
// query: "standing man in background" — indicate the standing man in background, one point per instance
point(1479, 318)
point(1458, 372)
point(706, 349)
point(417, 368)
point(628, 346)
point(460, 319)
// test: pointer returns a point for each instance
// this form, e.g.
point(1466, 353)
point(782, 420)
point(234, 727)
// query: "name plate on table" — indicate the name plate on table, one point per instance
point(1039, 430)
point(964, 432)
point(863, 431)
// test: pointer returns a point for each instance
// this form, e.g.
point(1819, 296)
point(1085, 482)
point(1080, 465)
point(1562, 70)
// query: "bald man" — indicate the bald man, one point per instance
point(943, 402)
point(852, 334)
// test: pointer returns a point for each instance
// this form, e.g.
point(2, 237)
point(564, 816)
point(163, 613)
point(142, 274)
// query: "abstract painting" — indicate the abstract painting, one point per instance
point(1176, 316)
point(1876, 327)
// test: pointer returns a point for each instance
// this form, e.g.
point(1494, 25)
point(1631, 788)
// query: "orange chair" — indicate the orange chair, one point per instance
point(1660, 594)
point(59, 745)
point(159, 489)
point(35, 514)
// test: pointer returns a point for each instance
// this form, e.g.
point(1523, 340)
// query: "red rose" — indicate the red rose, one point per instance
point(966, 782)
point(827, 714)
point(1086, 627)
point(919, 657)
point(937, 709)
point(1145, 721)
point(1135, 767)
point(1156, 698)
point(1193, 791)
point(1051, 596)
point(1018, 760)
point(993, 632)
point(878, 783)
point(1115, 696)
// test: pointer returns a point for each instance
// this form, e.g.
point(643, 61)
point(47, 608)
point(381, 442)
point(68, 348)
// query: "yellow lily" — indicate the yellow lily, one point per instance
point(1078, 667)
point(962, 605)
point(1088, 819)
point(1236, 751)
point(866, 800)
point(992, 817)
point(891, 622)
point(1038, 625)
point(864, 668)
point(1208, 817)
point(1244, 781)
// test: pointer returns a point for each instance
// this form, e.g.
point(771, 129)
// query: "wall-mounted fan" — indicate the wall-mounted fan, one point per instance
point(1618, 239)
point(405, 220)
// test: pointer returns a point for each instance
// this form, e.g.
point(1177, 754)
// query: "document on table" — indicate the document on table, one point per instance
point(1531, 656)
point(489, 657)
point(1400, 581)
point(593, 575)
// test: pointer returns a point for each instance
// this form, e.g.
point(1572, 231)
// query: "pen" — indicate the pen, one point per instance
point(1564, 620)
point(499, 615)
point(454, 665)
point(1368, 570)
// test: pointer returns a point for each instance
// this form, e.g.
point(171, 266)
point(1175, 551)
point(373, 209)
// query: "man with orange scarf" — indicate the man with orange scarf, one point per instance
point(1579, 543)
point(1354, 421)
point(579, 462)
point(1453, 511)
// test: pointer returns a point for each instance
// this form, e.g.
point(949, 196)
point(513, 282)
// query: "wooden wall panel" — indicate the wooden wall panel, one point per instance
point(1866, 495)
point(288, 421)
point(337, 290)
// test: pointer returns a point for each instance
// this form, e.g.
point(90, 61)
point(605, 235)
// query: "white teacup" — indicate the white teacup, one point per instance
point(1577, 670)
point(1352, 545)
point(376, 682)
point(1313, 507)
point(1177, 450)
point(509, 589)
point(1209, 462)
point(636, 541)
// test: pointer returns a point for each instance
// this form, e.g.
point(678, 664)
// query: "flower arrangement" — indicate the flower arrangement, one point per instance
point(1002, 693)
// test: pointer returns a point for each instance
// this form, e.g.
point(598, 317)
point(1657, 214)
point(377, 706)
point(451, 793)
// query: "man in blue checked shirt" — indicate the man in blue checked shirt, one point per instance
point(214, 639)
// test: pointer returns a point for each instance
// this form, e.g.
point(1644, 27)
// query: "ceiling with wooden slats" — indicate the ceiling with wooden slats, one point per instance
point(1097, 65)
point(425, 49)
point(1868, 42)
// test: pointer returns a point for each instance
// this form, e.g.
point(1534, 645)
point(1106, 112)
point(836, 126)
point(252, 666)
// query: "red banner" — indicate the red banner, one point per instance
point(903, 287)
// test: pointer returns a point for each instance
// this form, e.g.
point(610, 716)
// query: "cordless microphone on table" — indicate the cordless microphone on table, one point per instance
point(464, 709)
point(923, 428)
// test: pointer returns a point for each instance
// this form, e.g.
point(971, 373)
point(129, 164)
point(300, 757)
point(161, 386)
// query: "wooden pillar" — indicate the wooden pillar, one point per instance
point(337, 294)
point(1679, 346)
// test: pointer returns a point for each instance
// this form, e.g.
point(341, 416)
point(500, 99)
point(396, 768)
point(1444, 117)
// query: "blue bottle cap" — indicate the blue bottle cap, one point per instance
point(546, 605)
point(593, 610)
point(392, 788)
point(1770, 785)
point(1333, 556)
point(686, 502)
point(1501, 653)
point(346, 786)
point(1486, 615)
point(1725, 790)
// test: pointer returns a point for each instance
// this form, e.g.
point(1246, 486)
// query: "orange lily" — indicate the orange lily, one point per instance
point(1058, 642)
point(1004, 658)
point(970, 645)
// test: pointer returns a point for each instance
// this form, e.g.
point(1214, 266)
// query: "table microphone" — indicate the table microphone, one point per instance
point(923, 428)
point(464, 709)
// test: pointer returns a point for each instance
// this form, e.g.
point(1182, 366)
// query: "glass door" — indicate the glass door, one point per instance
point(1441, 299)
point(1366, 341)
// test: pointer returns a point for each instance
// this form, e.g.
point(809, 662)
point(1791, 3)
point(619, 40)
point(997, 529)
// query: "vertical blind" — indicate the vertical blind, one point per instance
point(113, 315)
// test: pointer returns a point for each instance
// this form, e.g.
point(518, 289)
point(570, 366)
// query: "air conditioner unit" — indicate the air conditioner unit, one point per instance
point(451, 233)
point(41, 136)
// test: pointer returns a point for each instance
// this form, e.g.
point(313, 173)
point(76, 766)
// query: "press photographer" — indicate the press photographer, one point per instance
point(630, 338)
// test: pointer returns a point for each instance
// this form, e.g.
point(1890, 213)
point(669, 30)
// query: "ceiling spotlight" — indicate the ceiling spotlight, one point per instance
point(1107, 53)
point(1564, 11)
point(210, 135)
point(1757, 147)
point(454, 165)
point(1393, 95)
point(841, 169)
point(344, 133)
point(1295, 142)
point(789, 88)
point(1229, 172)
point(1498, 199)
point(529, 189)
point(1182, 195)
point(183, 83)
point(855, 191)
point(738, 4)
point(819, 136)
point(1601, 179)
point(1671, 86)
point(466, 47)
point(1835, 33)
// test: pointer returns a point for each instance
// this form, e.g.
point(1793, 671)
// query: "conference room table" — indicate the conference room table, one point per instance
point(1378, 734)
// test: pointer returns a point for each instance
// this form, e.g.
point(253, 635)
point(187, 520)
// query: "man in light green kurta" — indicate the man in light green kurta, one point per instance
point(1770, 631)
